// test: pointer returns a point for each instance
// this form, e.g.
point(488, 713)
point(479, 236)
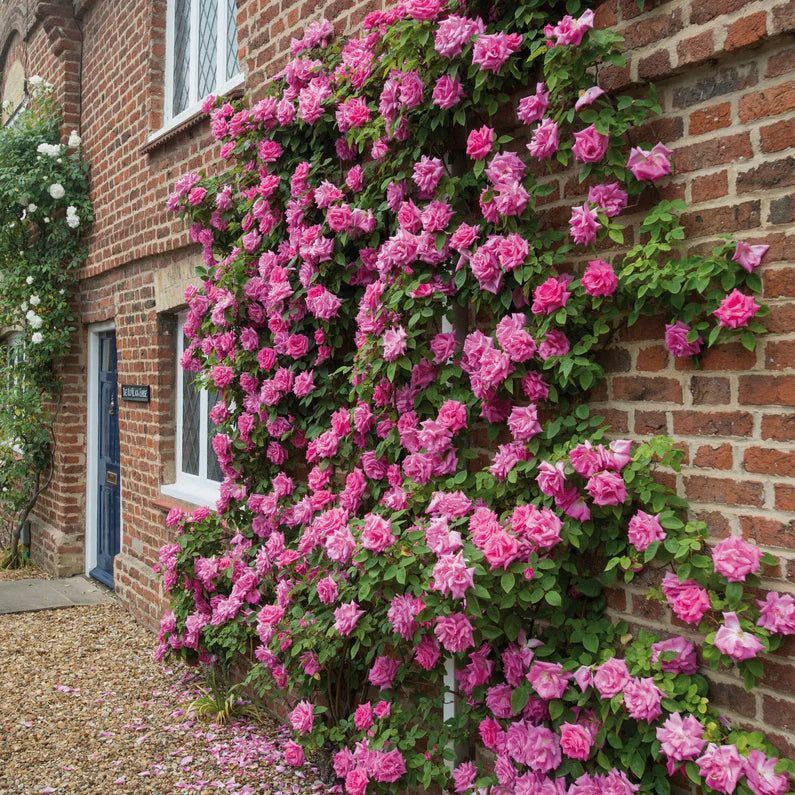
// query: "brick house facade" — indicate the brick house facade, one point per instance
point(725, 70)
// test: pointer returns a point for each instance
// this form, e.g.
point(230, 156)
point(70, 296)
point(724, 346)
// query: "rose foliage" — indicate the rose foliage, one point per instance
point(44, 208)
point(403, 343)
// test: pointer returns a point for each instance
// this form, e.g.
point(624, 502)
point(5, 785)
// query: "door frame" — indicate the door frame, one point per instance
point(92, 447)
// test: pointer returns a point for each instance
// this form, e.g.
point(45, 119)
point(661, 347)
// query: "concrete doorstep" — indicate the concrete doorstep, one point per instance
point(25, 596)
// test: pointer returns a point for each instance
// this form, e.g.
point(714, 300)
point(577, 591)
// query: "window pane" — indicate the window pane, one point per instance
point(191, 424)
point(232, 64)
point(181, 56)
point(213, 468)
point(208, 46)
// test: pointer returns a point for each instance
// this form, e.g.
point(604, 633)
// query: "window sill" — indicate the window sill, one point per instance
point(189, 118)
point(192, 495)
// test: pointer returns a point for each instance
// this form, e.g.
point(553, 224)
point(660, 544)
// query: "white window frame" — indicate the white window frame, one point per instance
point(195, 489)
point(222, 84)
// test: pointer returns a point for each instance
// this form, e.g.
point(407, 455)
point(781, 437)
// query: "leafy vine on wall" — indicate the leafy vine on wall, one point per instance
point(403, 341)
point(44, 209)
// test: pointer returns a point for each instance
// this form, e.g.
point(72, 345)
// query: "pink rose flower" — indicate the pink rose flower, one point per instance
point(583, 224)
point(427, 653)
point(363, 717)
point(684, 659)
point(422, 9)
point(513, 251)
point(548, 679)
point(777, 613)
point(453, 32)
point(347, 617)
point(681, 738)
point(532, 109)
point(599, 278)
point(394, 342)
point(749, 256)
point(479, 142)
point(544, 143)
point(551, 479)
point(543, 749)
point(293, 754)
point(491, 51)
point(676, 340)
point(356, 782)
point(649, 165)
point(575, 741)
point(721, 767)
point(377, 534)
point(555, 343)
point(389, 767)
point(732, 640)
point(447, 92)
point(735, 558)
point(383, 672)
point(687, 599)
point(762, 777)
point(550, 296)
point(611, 677)
point(643, 529)
point(606, 488)
point(569, 31)
point(642, 699)
point(589, 145)
point(427, 173)
point(302, 717)
point(610, 198)
point(523, 423)
point(736, 309)
point(452, 576)
point(464, 777)
point(327, 590)
point(454, 632)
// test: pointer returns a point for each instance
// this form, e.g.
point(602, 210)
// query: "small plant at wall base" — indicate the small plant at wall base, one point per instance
point(44, 209)
point(403, 340)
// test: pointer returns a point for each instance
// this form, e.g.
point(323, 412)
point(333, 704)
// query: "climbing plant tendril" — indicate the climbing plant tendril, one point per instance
point(404, 341)
point(44, 209)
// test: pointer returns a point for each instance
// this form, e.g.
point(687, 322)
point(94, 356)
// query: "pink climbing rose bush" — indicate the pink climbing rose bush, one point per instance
point(416, 497)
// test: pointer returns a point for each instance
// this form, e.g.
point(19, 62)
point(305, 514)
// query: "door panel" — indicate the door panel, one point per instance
point(108, 469)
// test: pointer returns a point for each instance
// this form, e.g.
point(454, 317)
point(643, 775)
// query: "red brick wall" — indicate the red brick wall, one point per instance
point(726, 74)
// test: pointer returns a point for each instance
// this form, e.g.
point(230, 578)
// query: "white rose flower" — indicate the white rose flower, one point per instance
point(36, 80)
point(34, 320)
point(29, 280)
point(32, 208)
point(24, 306)
point(74, 139)
point(51, 150)
point(56, 190)
point(35, 300)
point(72, 221)
point(37, 337)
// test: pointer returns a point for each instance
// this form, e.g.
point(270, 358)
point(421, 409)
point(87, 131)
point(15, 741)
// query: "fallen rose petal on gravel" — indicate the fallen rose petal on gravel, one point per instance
point(91, 711)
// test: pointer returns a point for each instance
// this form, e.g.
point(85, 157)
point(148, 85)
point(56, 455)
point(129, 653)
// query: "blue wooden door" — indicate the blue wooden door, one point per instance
point(108, 470)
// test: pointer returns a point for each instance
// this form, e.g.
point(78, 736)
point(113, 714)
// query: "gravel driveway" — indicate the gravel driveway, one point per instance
point(85, 709)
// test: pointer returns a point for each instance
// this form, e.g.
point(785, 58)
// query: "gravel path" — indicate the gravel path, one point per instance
point(85, 709)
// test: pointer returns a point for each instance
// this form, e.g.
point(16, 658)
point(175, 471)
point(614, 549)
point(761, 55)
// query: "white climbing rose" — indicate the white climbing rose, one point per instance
point(34, 300)
point(74, 139)
point(51, 150)
point(56, 190)
point(37, 337)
